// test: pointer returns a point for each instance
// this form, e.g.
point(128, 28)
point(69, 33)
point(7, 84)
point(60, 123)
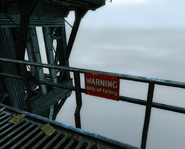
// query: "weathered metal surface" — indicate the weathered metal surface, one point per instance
point(40, 103)
point(120, 76)
point(73, 4)
point(15, 88)
point(41, 12)
point(17, 118)
point(13, 20)
point(48, 129)
point(61, 55)
point(42, 15)
point(48, 40)
point(41, 82)
point(27, 134)
point(31, 55)
point(36, 51)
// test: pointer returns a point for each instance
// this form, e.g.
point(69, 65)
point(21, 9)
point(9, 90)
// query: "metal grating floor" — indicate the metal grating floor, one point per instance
point(26, 134)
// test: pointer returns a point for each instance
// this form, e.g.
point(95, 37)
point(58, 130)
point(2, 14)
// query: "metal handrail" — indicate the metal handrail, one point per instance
point(120, 76)
point(78, 90)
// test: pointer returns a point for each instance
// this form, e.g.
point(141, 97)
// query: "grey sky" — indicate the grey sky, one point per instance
point(138, 14)
point(137, 37)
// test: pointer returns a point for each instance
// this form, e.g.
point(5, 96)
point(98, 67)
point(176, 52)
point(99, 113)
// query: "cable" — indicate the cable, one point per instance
point(67, 22)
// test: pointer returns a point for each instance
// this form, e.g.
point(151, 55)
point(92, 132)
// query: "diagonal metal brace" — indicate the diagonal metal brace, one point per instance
point(26, 7)
point(79, 14)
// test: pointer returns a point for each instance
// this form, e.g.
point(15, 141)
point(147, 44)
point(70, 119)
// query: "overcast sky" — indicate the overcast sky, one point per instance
point(138, 13)
point(137, 37)
point(105, 32)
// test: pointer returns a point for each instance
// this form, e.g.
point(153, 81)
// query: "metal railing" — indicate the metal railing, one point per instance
point(78, 91)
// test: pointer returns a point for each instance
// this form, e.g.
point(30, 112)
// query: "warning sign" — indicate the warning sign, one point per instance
point(102, 85)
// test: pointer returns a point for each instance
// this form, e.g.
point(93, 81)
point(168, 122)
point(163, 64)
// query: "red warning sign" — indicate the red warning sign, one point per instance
point(102, 85)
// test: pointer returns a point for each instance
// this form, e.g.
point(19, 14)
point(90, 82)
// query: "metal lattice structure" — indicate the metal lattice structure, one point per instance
point(18, 35)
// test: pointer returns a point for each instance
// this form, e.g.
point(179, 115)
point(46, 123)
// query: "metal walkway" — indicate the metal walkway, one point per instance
point(26, 134)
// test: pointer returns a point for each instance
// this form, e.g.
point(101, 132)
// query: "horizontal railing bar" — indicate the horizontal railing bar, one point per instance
point(132, 100)
point(39, 64)
point(39, 81)
point(154, 104)
point(121, 98)
point(11, 76)
point(120, 76)
point(152, 80)
point(168, 107)
point(53, 84)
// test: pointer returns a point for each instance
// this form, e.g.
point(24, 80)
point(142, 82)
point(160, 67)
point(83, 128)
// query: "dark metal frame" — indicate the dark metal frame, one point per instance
point(149, 103)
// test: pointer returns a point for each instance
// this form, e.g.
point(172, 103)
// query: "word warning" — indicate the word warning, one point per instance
point(102, 85)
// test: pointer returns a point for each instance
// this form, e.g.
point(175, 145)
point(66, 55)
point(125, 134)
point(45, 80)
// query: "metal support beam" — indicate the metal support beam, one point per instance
point(61, 52)
point(59, 106)
point(28, 88)
point(31, 55)
point(36, 51)
point(14, 87)
point(78, 99)
point(147, 115)
point(48, 40)
point(78, 16)
point(26, 7)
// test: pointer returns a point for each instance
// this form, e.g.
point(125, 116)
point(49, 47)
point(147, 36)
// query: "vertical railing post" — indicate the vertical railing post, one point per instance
point(28, 88)
point(147, 115)
point(78, 99)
